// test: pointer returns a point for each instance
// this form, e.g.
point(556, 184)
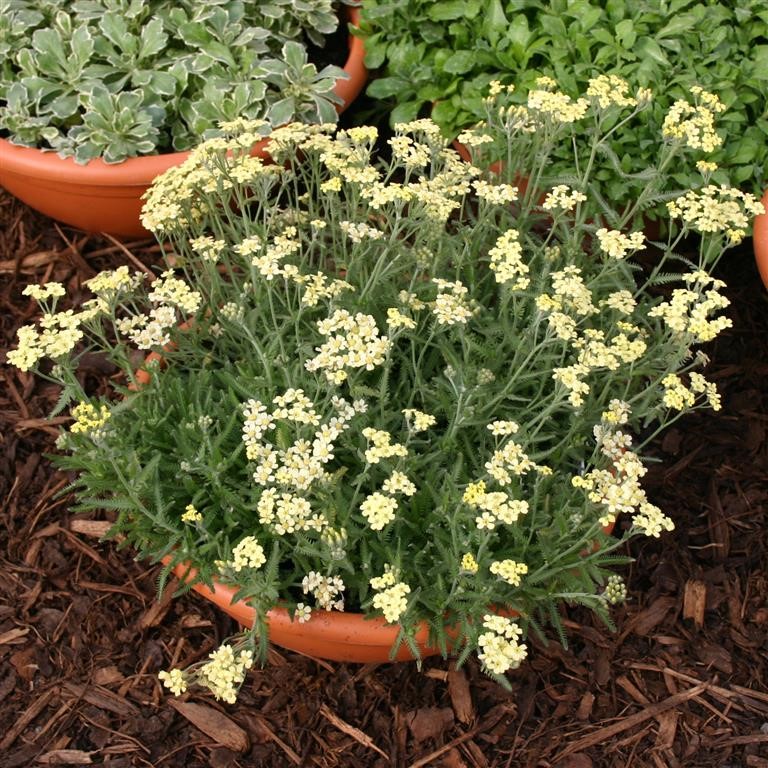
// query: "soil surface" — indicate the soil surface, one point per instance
point(682, 682)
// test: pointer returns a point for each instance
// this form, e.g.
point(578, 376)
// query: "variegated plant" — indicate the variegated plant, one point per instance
point(120, 78)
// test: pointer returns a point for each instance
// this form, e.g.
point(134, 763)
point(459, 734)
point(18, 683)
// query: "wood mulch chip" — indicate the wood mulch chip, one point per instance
point(683, 682)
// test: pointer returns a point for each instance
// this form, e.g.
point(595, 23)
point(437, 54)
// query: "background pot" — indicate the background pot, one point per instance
point(760, 241)
point(102, 197)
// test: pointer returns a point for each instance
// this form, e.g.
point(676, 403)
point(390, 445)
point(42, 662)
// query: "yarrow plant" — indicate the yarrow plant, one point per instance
point(418, 390)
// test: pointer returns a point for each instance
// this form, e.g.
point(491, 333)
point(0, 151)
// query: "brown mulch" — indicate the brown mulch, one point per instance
point(682, 682)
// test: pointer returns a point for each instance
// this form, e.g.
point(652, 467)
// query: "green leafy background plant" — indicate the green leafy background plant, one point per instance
point(447, 52)
point(119, 78)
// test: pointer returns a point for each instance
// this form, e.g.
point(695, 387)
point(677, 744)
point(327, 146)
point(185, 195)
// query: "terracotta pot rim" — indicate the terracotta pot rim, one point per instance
point(760, 241)
point(139, 171)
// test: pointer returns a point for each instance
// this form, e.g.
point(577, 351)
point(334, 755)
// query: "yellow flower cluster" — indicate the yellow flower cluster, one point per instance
point(512, 458)
point(208, 248)
point(594, 352)
point(418, 421)
point(357, 232)
point(174, 681)
point(392, 601)
point(717, 209)
point(563, 326)
point(410, 154)
point(676, 395)
point(500, 646)
point(379, 195)
point(359, 346)
point(436, 197)
point(168, 289)
point(474, 493)
point(474, 139)
point(288, 513)
point(507, 263)
point(379, 510)
point(317, 287)
point(253, 245)
point(612, 443)
point(382, 446)
point(509, 570)
point(387, 579)
point(59, 335)
point(688, 311)
point(495, 507)
point(694, 124)
point(427, 129)
point(706, 167)
point(499, 428)
point(225, 672)
point(191, 515)
point(652, 521)
point(327, 590)
point(617, 413)
point(48, 291)
point(450, 305)
point(707, 388)
point(496, 194)
point(469, 564)
point(622, 301)
point(110, 284)
point(287, 139)
point(617, 245)
point(149, 331)
point(398, 482)
point(571, 292)
point(204, 172)
point(610, 90)
point(247, 554)
point(562, 198)
point(268, 264)
point(294, 405)
point(299, 465)
point(556, 106)
point(362, 134)
point(88, 419)
point(572, 378)
point(396, 319)
point(679, 397)
point(257, 421)
point(618, 489)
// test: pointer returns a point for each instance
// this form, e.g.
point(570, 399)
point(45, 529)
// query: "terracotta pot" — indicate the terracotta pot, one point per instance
point(760, 241)
point(331, 635)
point(101, 197)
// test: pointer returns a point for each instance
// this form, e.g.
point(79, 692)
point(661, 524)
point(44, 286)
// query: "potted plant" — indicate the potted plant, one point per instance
point(99, 97)
point(402, 390)
point(448, 53)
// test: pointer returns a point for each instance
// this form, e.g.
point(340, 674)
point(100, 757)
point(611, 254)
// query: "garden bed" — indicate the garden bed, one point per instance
point(681, 683)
